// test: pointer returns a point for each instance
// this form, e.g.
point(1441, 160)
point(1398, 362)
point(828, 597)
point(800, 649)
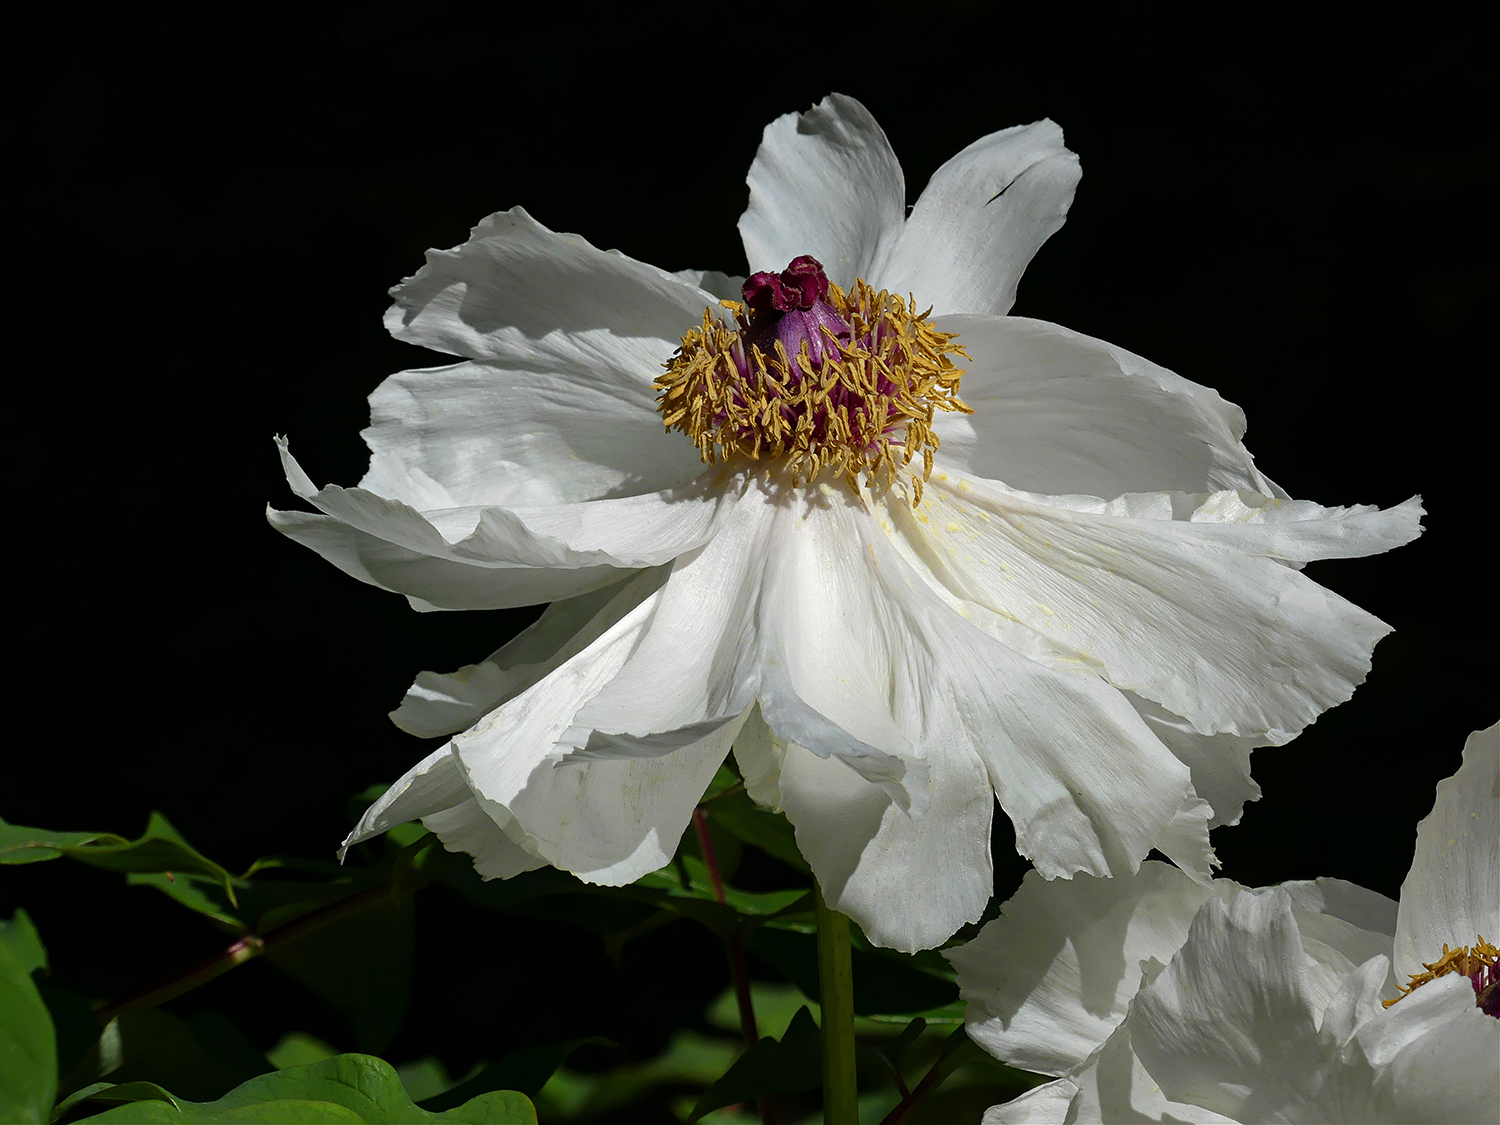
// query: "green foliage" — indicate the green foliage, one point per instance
point(160, 850)
point(346, 1088)
point(351, 938)
point(526, 1071)
point(25, 944)
point(361, 964)
point(790, 1065)
point(28, 1052)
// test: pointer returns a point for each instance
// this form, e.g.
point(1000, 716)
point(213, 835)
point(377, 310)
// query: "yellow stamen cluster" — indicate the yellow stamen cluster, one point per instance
point(1466, 959)
point(868, 406)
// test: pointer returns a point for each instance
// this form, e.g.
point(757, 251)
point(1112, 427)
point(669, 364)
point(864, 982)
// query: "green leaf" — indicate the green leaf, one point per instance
point(361, 964)
point(771, 832)
point(526, 1071)
point(700, 886)
point(28, 1050)
point(346, 1088)
point(691, 1059)
point(725, 779)
point(889, 1053)
point(161, 848)
point(786, 1066)
point(76, 1027)
point(882, 985)
point(198, 893)
point(198, 1058)
point(20, 937)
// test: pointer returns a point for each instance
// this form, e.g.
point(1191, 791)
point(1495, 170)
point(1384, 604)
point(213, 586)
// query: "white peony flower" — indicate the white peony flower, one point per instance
point(1063, 582)
point(1160, 999)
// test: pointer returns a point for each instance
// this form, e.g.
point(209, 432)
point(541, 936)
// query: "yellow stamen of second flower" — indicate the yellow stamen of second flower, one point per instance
point(854, 394)
point(1470, 960)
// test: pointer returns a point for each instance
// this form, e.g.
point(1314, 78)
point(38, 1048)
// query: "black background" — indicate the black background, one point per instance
point(212, 207)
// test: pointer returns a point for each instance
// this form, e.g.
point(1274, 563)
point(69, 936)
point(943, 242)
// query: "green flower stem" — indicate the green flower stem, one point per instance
point(836, 989)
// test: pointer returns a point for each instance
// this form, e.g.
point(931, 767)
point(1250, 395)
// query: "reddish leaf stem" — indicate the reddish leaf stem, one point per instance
point(247, 948)
point(929, 1080)
point(736, 950)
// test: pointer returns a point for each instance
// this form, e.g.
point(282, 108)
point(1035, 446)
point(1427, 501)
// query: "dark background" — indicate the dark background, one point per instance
point(213, 207)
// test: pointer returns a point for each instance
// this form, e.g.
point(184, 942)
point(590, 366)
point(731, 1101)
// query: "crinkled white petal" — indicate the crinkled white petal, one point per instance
point(497, 853)
point(1229, 1024)
point(1220, 763)
point(1050, 979)
point(432, 785)
point(606, 821)
point(1047, 1104)
point(1185, 841)
point(439, 704)
point(1292, 531)
point(477, 434)
point(1058, 412)
point(611, 820)
point(424, 554)
point(980, 220)
point(1343, 926)
point(429, 582)
point(908, 883)
point(1086, 785)
point(757, 754)
point(824, 183)
point(726, 287)
point(716, 644)
point(1434, 1056)
point(1452, 892)
point(1232, 642)
point(1112, 1085)
point(516, 292)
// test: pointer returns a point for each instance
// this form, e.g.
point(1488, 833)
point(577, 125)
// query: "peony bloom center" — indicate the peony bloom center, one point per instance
point(1479, 962)
point(814, 379)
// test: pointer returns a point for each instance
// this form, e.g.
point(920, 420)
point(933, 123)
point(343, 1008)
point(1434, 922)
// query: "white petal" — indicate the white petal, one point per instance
point(907, 883)
point(1436, 1057)
point(1059, 412)
point(515, 290)
point(607, 821)
point(484, 434)
point(824, 183)
point(1220, 763)
point(696, 660)
point(1343, 926)
point(612, 821)
point(432, 785)
point(1085, 783)
point(1233, 643)
point(1048, 1103)
point(757, 756)
point(496, 853)
point(1452, 892)
point(980, 220)
point(1185, 842)
point(1356, 1000)
point(1050, 979)
point(1229, 1025)
point(388, 542)
point(1112, 1086)
point(430, 582)
point(726, 287)
point(441, 704)
point(1293, 531)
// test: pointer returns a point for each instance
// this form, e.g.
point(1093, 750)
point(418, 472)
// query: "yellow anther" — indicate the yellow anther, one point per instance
point(1466, 959)
point(872, 394)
